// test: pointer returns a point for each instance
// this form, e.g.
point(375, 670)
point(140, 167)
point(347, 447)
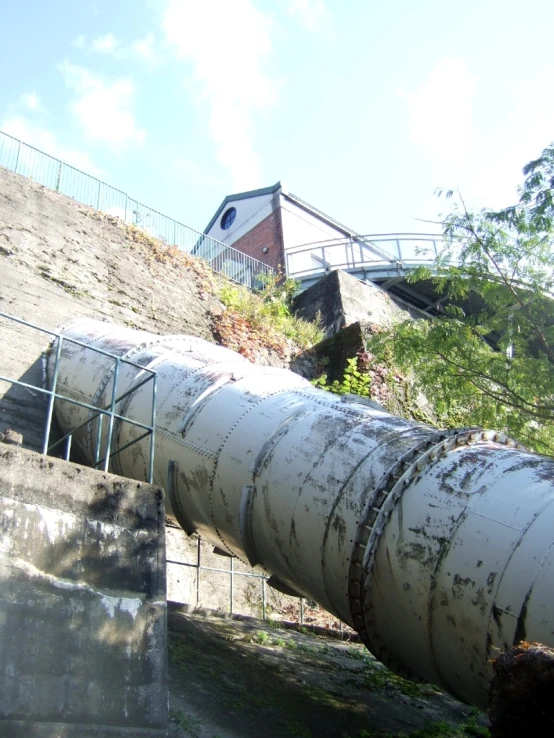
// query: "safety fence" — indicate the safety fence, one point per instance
point(382, 255)
point(203, 572)
point(24, 159)
point(104, 417)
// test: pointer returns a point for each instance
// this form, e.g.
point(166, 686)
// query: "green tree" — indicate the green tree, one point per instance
point(488, 360)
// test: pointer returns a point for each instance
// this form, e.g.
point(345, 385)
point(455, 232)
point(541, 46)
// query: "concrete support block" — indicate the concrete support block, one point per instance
point(83, 647)
point(339, 299)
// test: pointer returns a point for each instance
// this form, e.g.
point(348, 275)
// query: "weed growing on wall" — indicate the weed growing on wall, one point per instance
point(353, 382)
point(254, 320)
point(382, 382)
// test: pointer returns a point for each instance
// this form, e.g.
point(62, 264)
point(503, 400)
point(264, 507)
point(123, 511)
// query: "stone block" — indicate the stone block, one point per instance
point(341, 300)
point(83, 647)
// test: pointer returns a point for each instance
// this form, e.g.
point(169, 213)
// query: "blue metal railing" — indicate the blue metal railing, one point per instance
point(23, 159)
point(103, 452)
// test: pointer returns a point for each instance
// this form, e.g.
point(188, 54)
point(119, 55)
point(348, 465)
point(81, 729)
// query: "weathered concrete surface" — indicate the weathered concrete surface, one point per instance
point(29, 729)
point(330, 356)
point(60, 260)
point(214, 590)
point(82, 601)
point(247, 679)
point(333, 353)
point(341, 299)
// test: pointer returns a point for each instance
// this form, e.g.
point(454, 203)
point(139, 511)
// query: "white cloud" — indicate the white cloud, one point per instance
point(29, 101)
point(515, 136)
point(191, 170)
point(102, 108)
point(309, 13)
point(105, 44)
point(141, 49)
point(226, 43)
point(36, 135)
point(440, 111)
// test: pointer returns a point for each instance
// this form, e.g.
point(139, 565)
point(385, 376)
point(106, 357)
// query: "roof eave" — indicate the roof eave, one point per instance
point(242, 196)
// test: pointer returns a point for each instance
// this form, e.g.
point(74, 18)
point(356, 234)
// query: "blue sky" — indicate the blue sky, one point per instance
point(362, 108)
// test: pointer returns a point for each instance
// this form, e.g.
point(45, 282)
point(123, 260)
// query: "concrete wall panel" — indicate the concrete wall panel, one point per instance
point(82, 598)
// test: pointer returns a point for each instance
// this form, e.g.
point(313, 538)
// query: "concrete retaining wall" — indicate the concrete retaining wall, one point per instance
point(59, 260)
point(82, 601)
point(340, 300)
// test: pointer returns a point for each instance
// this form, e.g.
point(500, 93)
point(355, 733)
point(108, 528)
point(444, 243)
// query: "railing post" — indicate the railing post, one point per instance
point(153, 430)
point(112, 413)
point(17, 157)
point(263, 597)
point(59, 177)
point(232, 577)
point(198, 550)
point(98, 440)
point(52, 396)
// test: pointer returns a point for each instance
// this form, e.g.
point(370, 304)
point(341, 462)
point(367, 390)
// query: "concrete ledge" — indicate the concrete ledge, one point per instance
point(83, 617)
point(341, 299)
point(28, 729)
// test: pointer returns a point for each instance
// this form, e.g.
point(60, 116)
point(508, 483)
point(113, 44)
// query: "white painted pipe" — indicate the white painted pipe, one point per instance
point(437, 547)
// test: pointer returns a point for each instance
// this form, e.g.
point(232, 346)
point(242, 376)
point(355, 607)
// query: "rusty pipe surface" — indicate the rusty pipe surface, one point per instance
point(436, 546)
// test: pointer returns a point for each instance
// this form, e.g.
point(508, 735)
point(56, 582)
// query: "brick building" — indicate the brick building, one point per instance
point(280, 230)
point(273, 226)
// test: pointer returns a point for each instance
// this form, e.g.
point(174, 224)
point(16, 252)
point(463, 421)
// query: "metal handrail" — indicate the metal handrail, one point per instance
point(98, 412)
point(402, 236)
point(352, 253)
point(58, 176)
point(232, 572)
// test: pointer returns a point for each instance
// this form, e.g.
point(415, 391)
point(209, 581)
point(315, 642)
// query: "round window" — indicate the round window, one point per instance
point(228, 218)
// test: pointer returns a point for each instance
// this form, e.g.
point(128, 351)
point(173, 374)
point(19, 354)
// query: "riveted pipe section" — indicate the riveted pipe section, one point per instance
point(436, 547)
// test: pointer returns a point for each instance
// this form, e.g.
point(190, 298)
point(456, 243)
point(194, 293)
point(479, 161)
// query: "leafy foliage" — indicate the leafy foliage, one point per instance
point(264, 318)
point(381, 382)
point(353, 382)
point(488, 360)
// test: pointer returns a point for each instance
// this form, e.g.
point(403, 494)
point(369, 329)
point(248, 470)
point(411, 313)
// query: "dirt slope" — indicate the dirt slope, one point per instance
point(246, 679)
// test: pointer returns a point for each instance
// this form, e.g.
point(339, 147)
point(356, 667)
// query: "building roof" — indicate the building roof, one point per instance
point(293, 198)
point(320, 214)
point(241, 196)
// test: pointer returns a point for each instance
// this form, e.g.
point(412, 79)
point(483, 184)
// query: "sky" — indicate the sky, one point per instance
point(361, 108)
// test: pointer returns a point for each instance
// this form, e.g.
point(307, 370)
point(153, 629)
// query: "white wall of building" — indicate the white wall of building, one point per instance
point(300, 227)
point(250, 212)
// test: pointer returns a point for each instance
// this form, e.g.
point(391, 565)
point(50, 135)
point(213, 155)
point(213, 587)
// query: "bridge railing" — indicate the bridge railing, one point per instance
point(24, 159)
point(381, 253)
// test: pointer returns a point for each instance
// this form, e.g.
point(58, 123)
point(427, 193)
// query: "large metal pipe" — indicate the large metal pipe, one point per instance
point(437, 547)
